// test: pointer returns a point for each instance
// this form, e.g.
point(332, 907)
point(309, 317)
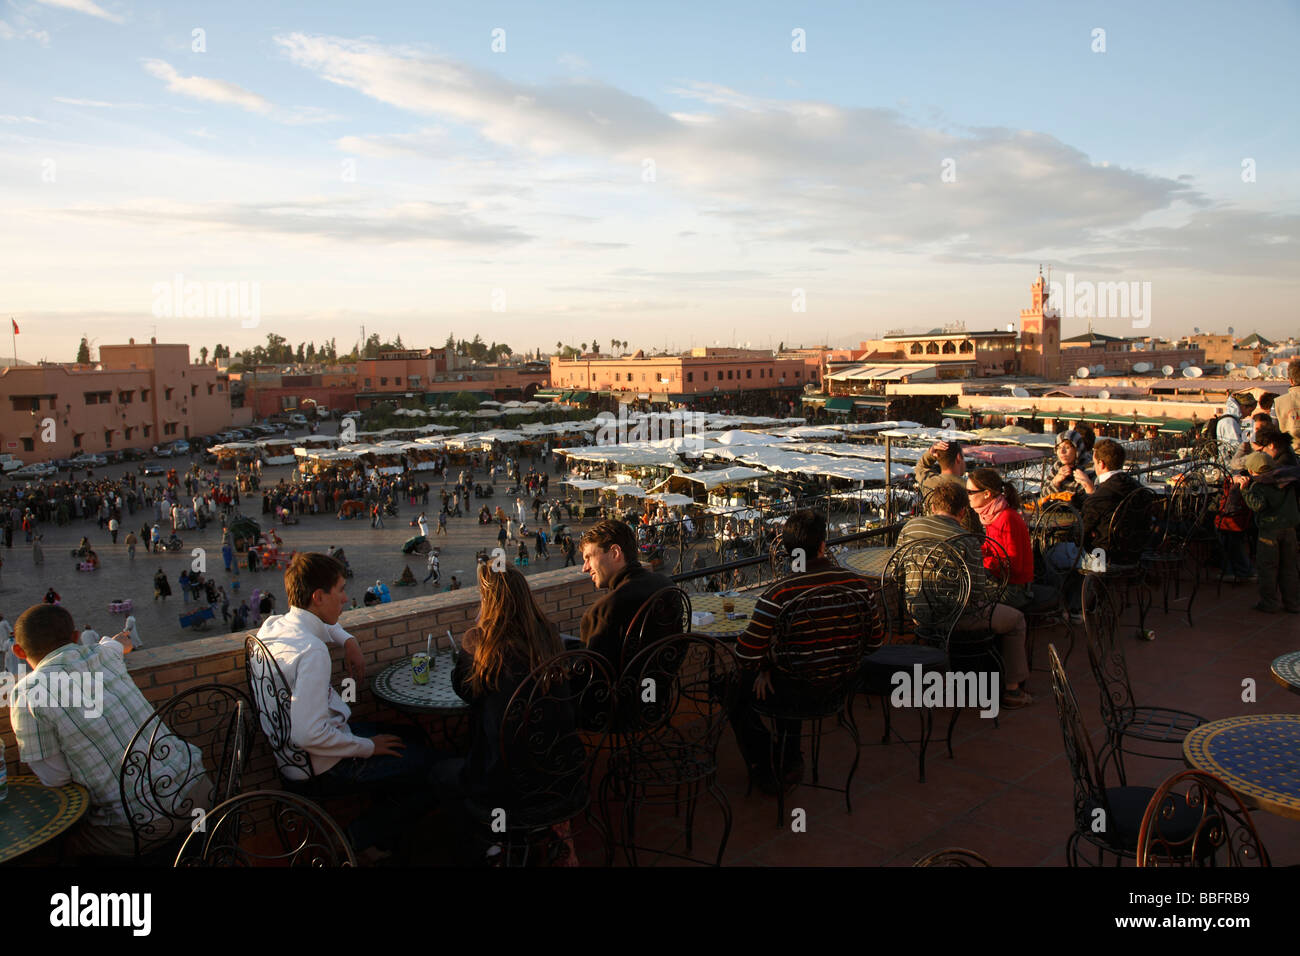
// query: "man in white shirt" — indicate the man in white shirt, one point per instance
point(12, 662)
point(83, 738)
point(344, 758)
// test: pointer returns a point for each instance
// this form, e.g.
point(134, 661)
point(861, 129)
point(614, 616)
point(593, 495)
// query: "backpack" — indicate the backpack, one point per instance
point(1233, 514)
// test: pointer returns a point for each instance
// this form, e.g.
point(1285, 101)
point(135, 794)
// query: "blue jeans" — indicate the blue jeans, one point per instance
point(405, 783)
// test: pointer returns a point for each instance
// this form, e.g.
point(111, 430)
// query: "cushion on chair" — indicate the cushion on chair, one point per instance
point(1127, 807)
point(878, 669)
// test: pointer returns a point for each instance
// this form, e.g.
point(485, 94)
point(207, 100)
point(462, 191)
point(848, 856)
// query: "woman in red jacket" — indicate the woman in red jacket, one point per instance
point(998, 507)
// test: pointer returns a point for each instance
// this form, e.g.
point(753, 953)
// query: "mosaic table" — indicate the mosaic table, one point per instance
point(720, 626)
point(1286, 671)
point(33, 814)
point(1258, 756)
point(869, 562)
point(396, 685)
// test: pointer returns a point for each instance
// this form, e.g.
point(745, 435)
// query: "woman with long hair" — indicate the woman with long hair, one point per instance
point(997, 504)
point(1070, 476)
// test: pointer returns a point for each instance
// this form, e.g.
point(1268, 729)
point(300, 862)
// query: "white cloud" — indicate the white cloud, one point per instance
point(422, 144)
point(10, 118)
point(23, 31)
point(84, 6)
point(206, 88)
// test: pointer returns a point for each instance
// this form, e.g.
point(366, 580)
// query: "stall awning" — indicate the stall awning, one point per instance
point(547, 393)
point(956, 412)
point(578, 396)
point(839, 404)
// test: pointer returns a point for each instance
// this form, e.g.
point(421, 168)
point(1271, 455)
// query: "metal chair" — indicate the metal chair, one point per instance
point(1057, 535)
point(267, 828)
point(1128, 536)
point(188, 756)
point(1182, 521)
point(952, 856)
point(923, 607)
point(1108, 818)
point(675, 697)
point(556, 722)
point(271, 698)
point(667, 611)
point(1222, 824)
point(1124, 719)
point(818, 645)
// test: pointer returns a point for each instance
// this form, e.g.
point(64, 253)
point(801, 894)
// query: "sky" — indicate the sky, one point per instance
point(667, 174)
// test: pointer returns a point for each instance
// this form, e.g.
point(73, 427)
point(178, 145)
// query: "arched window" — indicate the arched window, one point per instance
point(966, 346)
point(916, 348)
point(949, 348)
point(932, 349)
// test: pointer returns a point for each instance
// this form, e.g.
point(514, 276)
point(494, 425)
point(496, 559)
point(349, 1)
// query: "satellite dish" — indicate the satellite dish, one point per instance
point(1231, 330)
point(1184, 363)
point(1098, 368)
point(1143, 367)
point(1104, 394)
point(1192, 372)
point(1229, 366)
point(1082, 371)
point(1019, 392)
point(1196, 330)
point(1167, 371)
point(1253, 373)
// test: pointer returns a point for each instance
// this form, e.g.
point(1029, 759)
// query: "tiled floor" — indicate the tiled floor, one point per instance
point(1008, 791)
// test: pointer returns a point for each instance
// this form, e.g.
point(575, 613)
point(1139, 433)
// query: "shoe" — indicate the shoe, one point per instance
point(1264, 608)
point(1015, 699)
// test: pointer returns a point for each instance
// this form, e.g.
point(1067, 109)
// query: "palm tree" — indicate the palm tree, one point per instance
point(559, 347)
point(584, 346)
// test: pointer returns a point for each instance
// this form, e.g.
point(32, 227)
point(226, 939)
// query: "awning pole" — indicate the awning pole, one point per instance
point(889, 495)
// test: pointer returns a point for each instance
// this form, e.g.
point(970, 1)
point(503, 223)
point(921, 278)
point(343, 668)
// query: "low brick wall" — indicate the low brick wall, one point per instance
point(385, 632)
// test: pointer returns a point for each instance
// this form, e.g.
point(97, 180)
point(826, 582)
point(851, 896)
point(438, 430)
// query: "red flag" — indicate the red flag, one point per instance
point(15, 326)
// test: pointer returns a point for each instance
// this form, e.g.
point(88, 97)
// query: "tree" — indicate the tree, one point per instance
point(302, 352)
point(559, 347)
point(83, 352)
point(463, 402)
point(371, 349)
point(203, 355)
point(584, 346)
point(311, 351)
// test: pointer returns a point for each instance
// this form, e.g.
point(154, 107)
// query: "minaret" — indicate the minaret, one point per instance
point(1040, 333)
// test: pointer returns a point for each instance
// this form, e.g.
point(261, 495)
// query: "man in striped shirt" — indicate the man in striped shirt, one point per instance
point(818, 645)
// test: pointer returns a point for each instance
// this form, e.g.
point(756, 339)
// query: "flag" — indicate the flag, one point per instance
point(15, 326)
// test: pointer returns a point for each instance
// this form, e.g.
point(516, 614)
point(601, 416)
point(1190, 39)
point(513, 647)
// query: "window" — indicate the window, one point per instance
point(949, 348)
point(28, 445)
point(629, 376)
point(728, 374)
point(414, 381)
point(144, 394)
point(383, 381)
point(210, 388)
point(221, 386)
point(749, 373)
point(108, 438)
point(932, 349)
point(690, 376)
point(76, 440)
point(25, 403)
point(147, 430)
point(167, 394)
point(125, 398)
point(169, 428)
point(126, 431)
point(916, 348)
point(99, 398)
point(798, 374)
point(706, 375)
point(368, 383)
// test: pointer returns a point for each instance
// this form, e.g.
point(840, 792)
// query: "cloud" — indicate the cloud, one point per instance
point(10, 118)
point(23, 31)
point(422, 144)
point(84, 6)
point(206, 88)
point(347, 221)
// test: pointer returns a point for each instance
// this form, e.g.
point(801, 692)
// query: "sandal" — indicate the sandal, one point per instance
point(1013, 699)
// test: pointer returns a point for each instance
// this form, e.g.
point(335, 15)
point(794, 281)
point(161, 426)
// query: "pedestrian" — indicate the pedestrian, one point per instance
point(161, 587)
point(442, 522)
point(502, 537)
point(155, 538)
point(131, 542)
point(455, 584)
point(423, 524)
point(225, 603)
point(570, 550)
point(1277, 516)
point(227, 552)
point(131, 629)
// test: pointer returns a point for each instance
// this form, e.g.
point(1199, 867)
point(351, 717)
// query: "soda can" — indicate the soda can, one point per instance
point(420, 667)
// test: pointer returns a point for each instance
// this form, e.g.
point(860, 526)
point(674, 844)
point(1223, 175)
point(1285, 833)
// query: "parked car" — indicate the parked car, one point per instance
point(37, 469)
point(133, 454)
point(63, 464)
point(164, 451)
point(153, 468)
point(10, 463)
point(299, 420)
point(181, 446)
point(89, 461)
point(356, 415)
point(113, 455)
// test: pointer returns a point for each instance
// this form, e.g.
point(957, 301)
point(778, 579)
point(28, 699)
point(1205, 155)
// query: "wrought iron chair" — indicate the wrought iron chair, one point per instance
point(1182, 521)
point(271, 698)
point(1057, 535)
point(1128, 537)
point(1162, 727)
point(188, 756)
point(1222, 824)
point(952, 856)
point(923, 599)
point(1108, 818)
point(667, 611)
point(267, 828)
point(816, 654)
point(556, 722)
point(675, 696)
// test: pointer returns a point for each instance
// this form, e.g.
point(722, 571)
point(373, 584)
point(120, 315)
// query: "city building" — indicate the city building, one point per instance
point(136, 396)
point(701, 372)
point(433, 375)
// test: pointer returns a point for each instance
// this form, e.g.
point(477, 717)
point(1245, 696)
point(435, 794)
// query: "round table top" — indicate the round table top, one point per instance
point(720, 626)
point(1255, 755)
point(868, 561)
point(1286, 671)
point(33, 813)
point(396, 685)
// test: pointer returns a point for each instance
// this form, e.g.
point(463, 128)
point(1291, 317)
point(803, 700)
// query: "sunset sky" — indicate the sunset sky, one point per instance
point(666, 173)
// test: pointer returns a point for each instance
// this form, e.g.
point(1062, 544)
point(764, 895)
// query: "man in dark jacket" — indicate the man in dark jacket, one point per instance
point(1113, 485)
point(610, 557)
